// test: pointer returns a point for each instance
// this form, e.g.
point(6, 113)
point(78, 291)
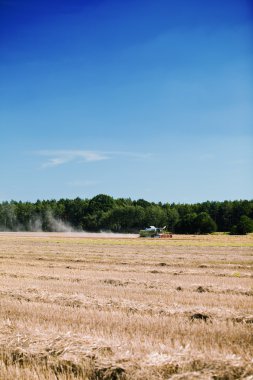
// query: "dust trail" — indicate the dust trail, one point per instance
point(50, 224)
point(58, 225)
point(83, 234)
point(37, 223)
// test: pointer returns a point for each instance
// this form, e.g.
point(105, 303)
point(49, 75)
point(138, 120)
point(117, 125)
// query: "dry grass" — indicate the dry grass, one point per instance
point(112, 309)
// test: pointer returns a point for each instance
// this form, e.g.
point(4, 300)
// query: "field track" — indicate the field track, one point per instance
point(106, 307)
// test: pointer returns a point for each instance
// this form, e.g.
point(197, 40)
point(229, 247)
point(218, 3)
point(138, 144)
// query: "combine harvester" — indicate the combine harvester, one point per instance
point(154, 232)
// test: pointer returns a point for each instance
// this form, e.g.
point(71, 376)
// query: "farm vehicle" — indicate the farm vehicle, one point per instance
point(154, 232)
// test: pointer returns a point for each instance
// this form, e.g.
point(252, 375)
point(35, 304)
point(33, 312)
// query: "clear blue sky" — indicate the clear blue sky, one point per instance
point(137, 98)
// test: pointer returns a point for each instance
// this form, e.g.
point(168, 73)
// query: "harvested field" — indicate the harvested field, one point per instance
point(112, 308)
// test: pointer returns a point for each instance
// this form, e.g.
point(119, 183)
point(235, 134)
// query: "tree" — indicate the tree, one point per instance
point(126, 218)
point(186, 225)
point(244, 226)
point(91, 222)
point(204, 224)
point(172, 217)
point(155, 215)
point(123, 214)
point(142, 203)
point(100, 202)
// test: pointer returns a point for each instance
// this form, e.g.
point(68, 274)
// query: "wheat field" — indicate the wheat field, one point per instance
point(114, 308)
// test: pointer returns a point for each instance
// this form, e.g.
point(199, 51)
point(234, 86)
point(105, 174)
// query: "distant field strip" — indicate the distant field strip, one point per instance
point(108, 308)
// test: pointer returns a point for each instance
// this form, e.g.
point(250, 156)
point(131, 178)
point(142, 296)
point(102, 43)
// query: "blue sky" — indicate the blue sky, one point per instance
point(141, 99)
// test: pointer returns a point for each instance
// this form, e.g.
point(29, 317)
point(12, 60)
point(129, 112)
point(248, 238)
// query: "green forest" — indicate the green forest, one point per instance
point(104, 213)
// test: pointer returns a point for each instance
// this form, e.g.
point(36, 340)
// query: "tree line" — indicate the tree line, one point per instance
point(103, 212)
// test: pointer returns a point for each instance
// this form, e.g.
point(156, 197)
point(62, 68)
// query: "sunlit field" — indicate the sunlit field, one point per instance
point(113, 308)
